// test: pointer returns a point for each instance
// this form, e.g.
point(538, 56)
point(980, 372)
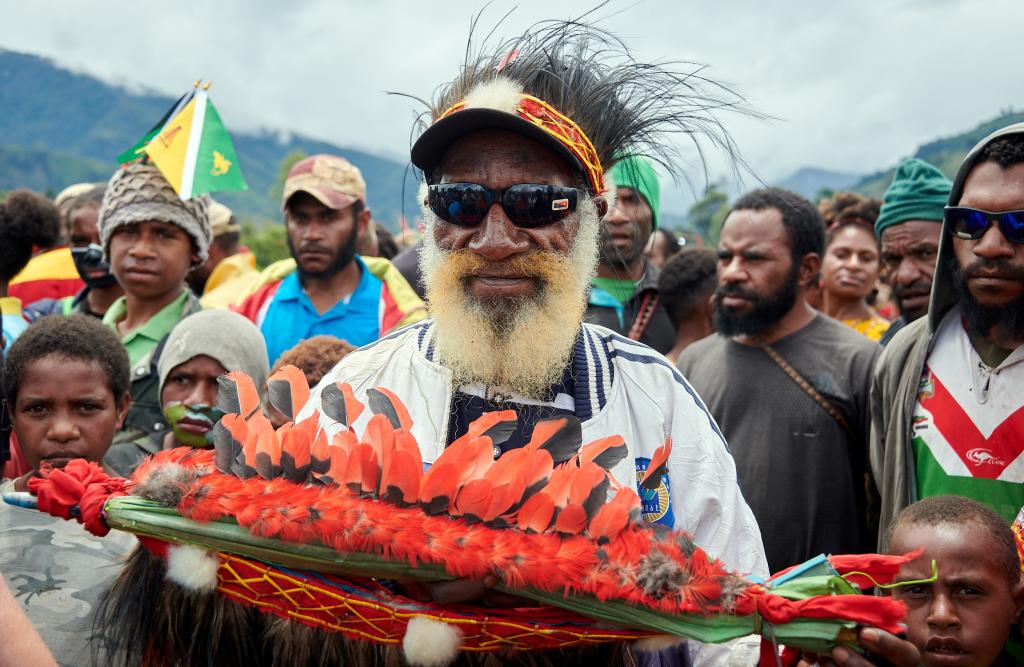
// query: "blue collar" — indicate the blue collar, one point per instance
point(291, 287)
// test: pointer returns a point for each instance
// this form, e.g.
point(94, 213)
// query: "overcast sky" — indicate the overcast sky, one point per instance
point(855, 85)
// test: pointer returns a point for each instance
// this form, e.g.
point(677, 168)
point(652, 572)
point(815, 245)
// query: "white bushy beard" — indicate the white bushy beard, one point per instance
point(519, 345)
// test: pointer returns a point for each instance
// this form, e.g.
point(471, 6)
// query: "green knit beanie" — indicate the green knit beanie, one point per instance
point(636, 172)
point(918, 191)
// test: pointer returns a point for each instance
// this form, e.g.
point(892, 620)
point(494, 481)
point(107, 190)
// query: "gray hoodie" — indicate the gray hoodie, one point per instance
point(898, 371)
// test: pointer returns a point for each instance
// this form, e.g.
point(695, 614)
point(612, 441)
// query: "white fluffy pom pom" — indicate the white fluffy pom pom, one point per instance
point(429, 643)
point(192, 568)
point(499, 93)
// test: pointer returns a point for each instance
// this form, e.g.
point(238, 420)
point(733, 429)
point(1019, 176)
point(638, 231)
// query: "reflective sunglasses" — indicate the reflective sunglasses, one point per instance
point(971, 223)
point(526, 204)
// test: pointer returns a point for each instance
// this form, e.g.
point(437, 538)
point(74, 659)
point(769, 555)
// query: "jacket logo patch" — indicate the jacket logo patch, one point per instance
point(655, 504)
point(981, 456)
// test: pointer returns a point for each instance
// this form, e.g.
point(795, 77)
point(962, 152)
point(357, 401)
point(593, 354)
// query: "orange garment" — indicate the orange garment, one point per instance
point(48, 275)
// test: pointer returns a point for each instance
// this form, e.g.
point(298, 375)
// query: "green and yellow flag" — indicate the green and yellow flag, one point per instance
point(194, 151)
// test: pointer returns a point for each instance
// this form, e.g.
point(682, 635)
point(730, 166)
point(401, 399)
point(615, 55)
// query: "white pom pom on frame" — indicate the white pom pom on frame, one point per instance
point(429, 643)
point(192, 568)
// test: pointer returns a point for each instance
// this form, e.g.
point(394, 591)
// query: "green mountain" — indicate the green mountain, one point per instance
point(58, 127)
point(946, 153)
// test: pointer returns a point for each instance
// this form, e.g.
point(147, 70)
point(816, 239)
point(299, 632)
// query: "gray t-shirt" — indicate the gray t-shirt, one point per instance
point(58, 572)
point(800, 472)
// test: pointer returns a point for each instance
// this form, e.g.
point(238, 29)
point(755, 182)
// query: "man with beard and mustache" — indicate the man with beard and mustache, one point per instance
point(948, 394)
point(326, 289)
point(624, 292)
point(512, 208)
point(909, 227)
point(788, 385)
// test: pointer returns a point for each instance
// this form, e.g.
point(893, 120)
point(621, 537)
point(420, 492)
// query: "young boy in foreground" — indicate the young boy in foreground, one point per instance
point(964, 617)
point(66, 386)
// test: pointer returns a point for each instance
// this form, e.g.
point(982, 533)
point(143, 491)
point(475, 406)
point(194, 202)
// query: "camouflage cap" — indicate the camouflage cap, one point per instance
point(333, 181)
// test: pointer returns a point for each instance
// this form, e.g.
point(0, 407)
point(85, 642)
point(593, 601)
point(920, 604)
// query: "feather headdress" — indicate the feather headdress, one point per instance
point(587, 80)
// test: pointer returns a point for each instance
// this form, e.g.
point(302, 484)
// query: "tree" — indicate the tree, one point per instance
point(268, 243)
point(708, 213)
point(287, 162)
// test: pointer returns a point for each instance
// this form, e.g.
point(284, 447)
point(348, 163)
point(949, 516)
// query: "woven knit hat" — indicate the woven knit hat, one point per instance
point(139, 193)
point(918, 192)
point(227, 337)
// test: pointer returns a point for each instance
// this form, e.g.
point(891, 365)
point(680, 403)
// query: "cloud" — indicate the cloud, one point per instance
point(854, 85)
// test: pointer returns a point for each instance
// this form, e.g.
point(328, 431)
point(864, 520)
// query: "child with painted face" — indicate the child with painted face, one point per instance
point(963, 618)
point(199, 349)
point(66, 383)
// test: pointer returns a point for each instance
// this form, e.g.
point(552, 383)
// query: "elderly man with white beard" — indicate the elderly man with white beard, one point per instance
point(513, 163)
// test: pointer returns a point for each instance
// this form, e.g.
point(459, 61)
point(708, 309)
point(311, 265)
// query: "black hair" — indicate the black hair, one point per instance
point(1005, 151)
point(78, 337)
point(27, 220)
point(671, 240)
point(849, 208)
point(227, 242)
point(803, 223)
point(387, 247)
point(687, 281)
point(961, 511)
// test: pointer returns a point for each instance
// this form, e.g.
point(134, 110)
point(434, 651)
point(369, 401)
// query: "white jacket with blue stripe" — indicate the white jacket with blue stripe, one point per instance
point(621, 387)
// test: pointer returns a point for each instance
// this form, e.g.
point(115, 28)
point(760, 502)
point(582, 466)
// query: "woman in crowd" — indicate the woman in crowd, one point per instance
point(850, 267)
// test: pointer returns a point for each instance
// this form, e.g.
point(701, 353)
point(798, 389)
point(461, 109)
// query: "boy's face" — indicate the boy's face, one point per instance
point(64, 410)
point(152, 258)
point(963, 618)
point(189, 397)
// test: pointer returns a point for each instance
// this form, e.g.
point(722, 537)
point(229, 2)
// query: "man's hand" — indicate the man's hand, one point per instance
point(891, 649)
point(478, 592)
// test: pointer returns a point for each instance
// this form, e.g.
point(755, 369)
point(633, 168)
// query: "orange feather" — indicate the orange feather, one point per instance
point(392, 403)
point(536, 513)
point(380, 435)
point(658, 466)
point(605, 452)
point(240, 394)
point(295, 453)
point(401, 476)
point(571, 519)
point(339, 402)
point(288, 390)
point(320, 453)
point(473, 499)
point(613, 517)
point(439, 485)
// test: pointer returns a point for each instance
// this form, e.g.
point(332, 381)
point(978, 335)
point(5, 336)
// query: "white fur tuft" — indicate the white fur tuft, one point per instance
point(500, 93)
point(430, 643)
point(657, 643)
point(192, 568)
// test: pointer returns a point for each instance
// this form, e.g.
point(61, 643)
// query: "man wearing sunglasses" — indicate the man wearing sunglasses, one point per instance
point(513, 199)
point(948, 393)
point(101, 287)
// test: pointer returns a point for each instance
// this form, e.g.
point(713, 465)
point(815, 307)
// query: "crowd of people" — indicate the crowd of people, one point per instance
point(839, 377)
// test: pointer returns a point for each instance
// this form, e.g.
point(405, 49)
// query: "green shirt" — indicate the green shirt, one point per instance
point(622, 290)
point(143, 340)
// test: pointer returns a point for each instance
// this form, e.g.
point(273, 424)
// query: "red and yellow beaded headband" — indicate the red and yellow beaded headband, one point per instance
point(541, 114)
